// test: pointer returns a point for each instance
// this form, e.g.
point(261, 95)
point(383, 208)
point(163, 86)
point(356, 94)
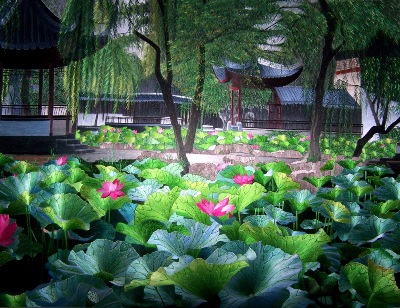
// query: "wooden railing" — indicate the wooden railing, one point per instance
point(32, 111)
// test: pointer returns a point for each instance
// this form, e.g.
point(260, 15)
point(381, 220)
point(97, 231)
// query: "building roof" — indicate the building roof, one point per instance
point(143, 98)
point(260, 75)
point(292, 95)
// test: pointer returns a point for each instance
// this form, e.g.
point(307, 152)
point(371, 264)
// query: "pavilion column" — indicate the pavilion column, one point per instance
point(51, 97)
point(232, 106)
point(40, 95)
point(239, 104)
point(1, 89)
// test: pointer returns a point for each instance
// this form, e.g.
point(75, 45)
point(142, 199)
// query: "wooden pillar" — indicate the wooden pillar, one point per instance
point(40, 94)
point(239, 105)
point(232, 106)
point(1, 89)
point(51, 97)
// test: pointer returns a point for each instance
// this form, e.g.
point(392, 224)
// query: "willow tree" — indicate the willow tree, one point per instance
point(319, 31)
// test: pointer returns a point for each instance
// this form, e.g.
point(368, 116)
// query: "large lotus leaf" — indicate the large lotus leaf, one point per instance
point(329, 165)
point(195, 178)
point(131, 169)
point(373, 285)
point(149, 163)
point(348, 163)
point(329, 193)
point(317, 181)
point(264, 282)
point(284, 182)
point(158, 206)
point(343, 230)
point(102, 205)
point(246, 194)
point(361, 188)
point(145, 189)
point(178, 244)
point(279, 216)
point(335, 211)
point(230, 171)
point(103, 259)
point(261, 177)
point(128, 212)
point(345, 181)
point(186, 206)
point(257, 220)
point(300, 200)
point(106, 172)
point(69, 211)
point(8, 300)
point(390, 190)
point(140, 233)
point(197, 185)
point(163, 177)
point(313, 224)
point(20, 167)
point(297, 299)
point(382, 257)
point(378, 170)
point(371, 230)
point(306, 246)
point(76, 176)
point(275, 167)
point(77, 291)
point(275, 197)
point(4, 160)
point(385, 209)
point(173, 168)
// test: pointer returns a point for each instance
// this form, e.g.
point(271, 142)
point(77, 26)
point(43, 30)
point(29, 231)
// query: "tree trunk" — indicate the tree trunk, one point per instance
point(195, 110)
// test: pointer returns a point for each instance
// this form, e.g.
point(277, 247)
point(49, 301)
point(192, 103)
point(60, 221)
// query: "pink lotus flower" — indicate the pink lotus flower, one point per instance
point(256, 147)
point(160, 130)
point(61, 160)
point(112, 189)
point(302, 139)
point(134, 131)
point(308, 137)
point(250, 136)
point(105, 130)
point(118, 130)
point(218, 210)
point(7, 230)
point(243, 179)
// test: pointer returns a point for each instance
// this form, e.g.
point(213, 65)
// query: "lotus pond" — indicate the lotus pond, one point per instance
point(139, 233)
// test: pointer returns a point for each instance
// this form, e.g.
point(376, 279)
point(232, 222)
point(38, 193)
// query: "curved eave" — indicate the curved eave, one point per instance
point(220, 74)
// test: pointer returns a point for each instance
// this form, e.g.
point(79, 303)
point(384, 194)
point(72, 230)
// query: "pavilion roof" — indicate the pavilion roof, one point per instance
point(260, 75)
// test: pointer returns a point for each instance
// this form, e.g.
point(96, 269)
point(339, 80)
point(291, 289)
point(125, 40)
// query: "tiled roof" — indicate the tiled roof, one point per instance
point(291, 95)
point(144, 98)
point(27, 25)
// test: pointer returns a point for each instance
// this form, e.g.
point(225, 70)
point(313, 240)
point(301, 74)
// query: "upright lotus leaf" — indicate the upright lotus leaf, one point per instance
point(258, 220)
point(17, 192)
point(149, 163)
point(173, 168)
point(297, 299)
point(345, 181)
point(158, 206)
point(102, 205)
point(141, 232)
point(371, 230)
point(195, 178)
point(357, 216)
point(348, 163)
point(265, 281)
point(385, 209)
point(329, 165)
point(275, 167)
point(144, 189)
point(317, 182)
point(163, 177)
point(178, 244)
point(106, 172)
point(284, 182)
point(186, 206)
point(390, 190)
point(21, 167)
point(75, 177)
point(227, 174)
point(306, 246)
point(55, 176)
point(329, 193)
point(103, 259)
point(246, 194)
point(4, 160)
point(377, 170)
point(300, 200)
point(335, 211)
point(275, 197)
point(382, 257)
point(279, 216)
point(8, 300)
point(361, 188)
point(313, 224)
point(69, 211)
point(374, 285)
point(77, 291)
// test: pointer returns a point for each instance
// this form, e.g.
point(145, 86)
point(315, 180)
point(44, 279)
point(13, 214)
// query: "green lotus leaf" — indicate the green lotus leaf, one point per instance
point(102, 205)
point(284, 182)
point(262, 178)
point(378, 170)
point(361, 188)
point(158, 206)
point(5, 256)
point(250, 287)
point(163, 177)
point(317, 182)
point(276, 167)
point(348, 163)
point(206, 146)
point(306, 246)
point(382, 257)
point(69, 211)
point(279, 216)
point(385, 209)
point(173, 168)
point(78, 291)
point(197, 186)
point(103, 259)
point(374, 285)
point(230, 171)
point(329, 165)
point(313, 224)
point(371, 230)
point(345, 181)
point(336, 211)
point(4, 160)
point(144, 190)
point(356, 217)
point(178, 244)
point(300, 200)
point(106, 172)
point(7, 300)
point(186, 206)
point(195, 178)
point(76, 175)
point(390, 190)
point(275, 197)
point(257, 220)
point(20, 167)
point(329, 193)
point(140, 233)
point(131, 169)
point(54, 177)
point(246, 194)
point(297, 299)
